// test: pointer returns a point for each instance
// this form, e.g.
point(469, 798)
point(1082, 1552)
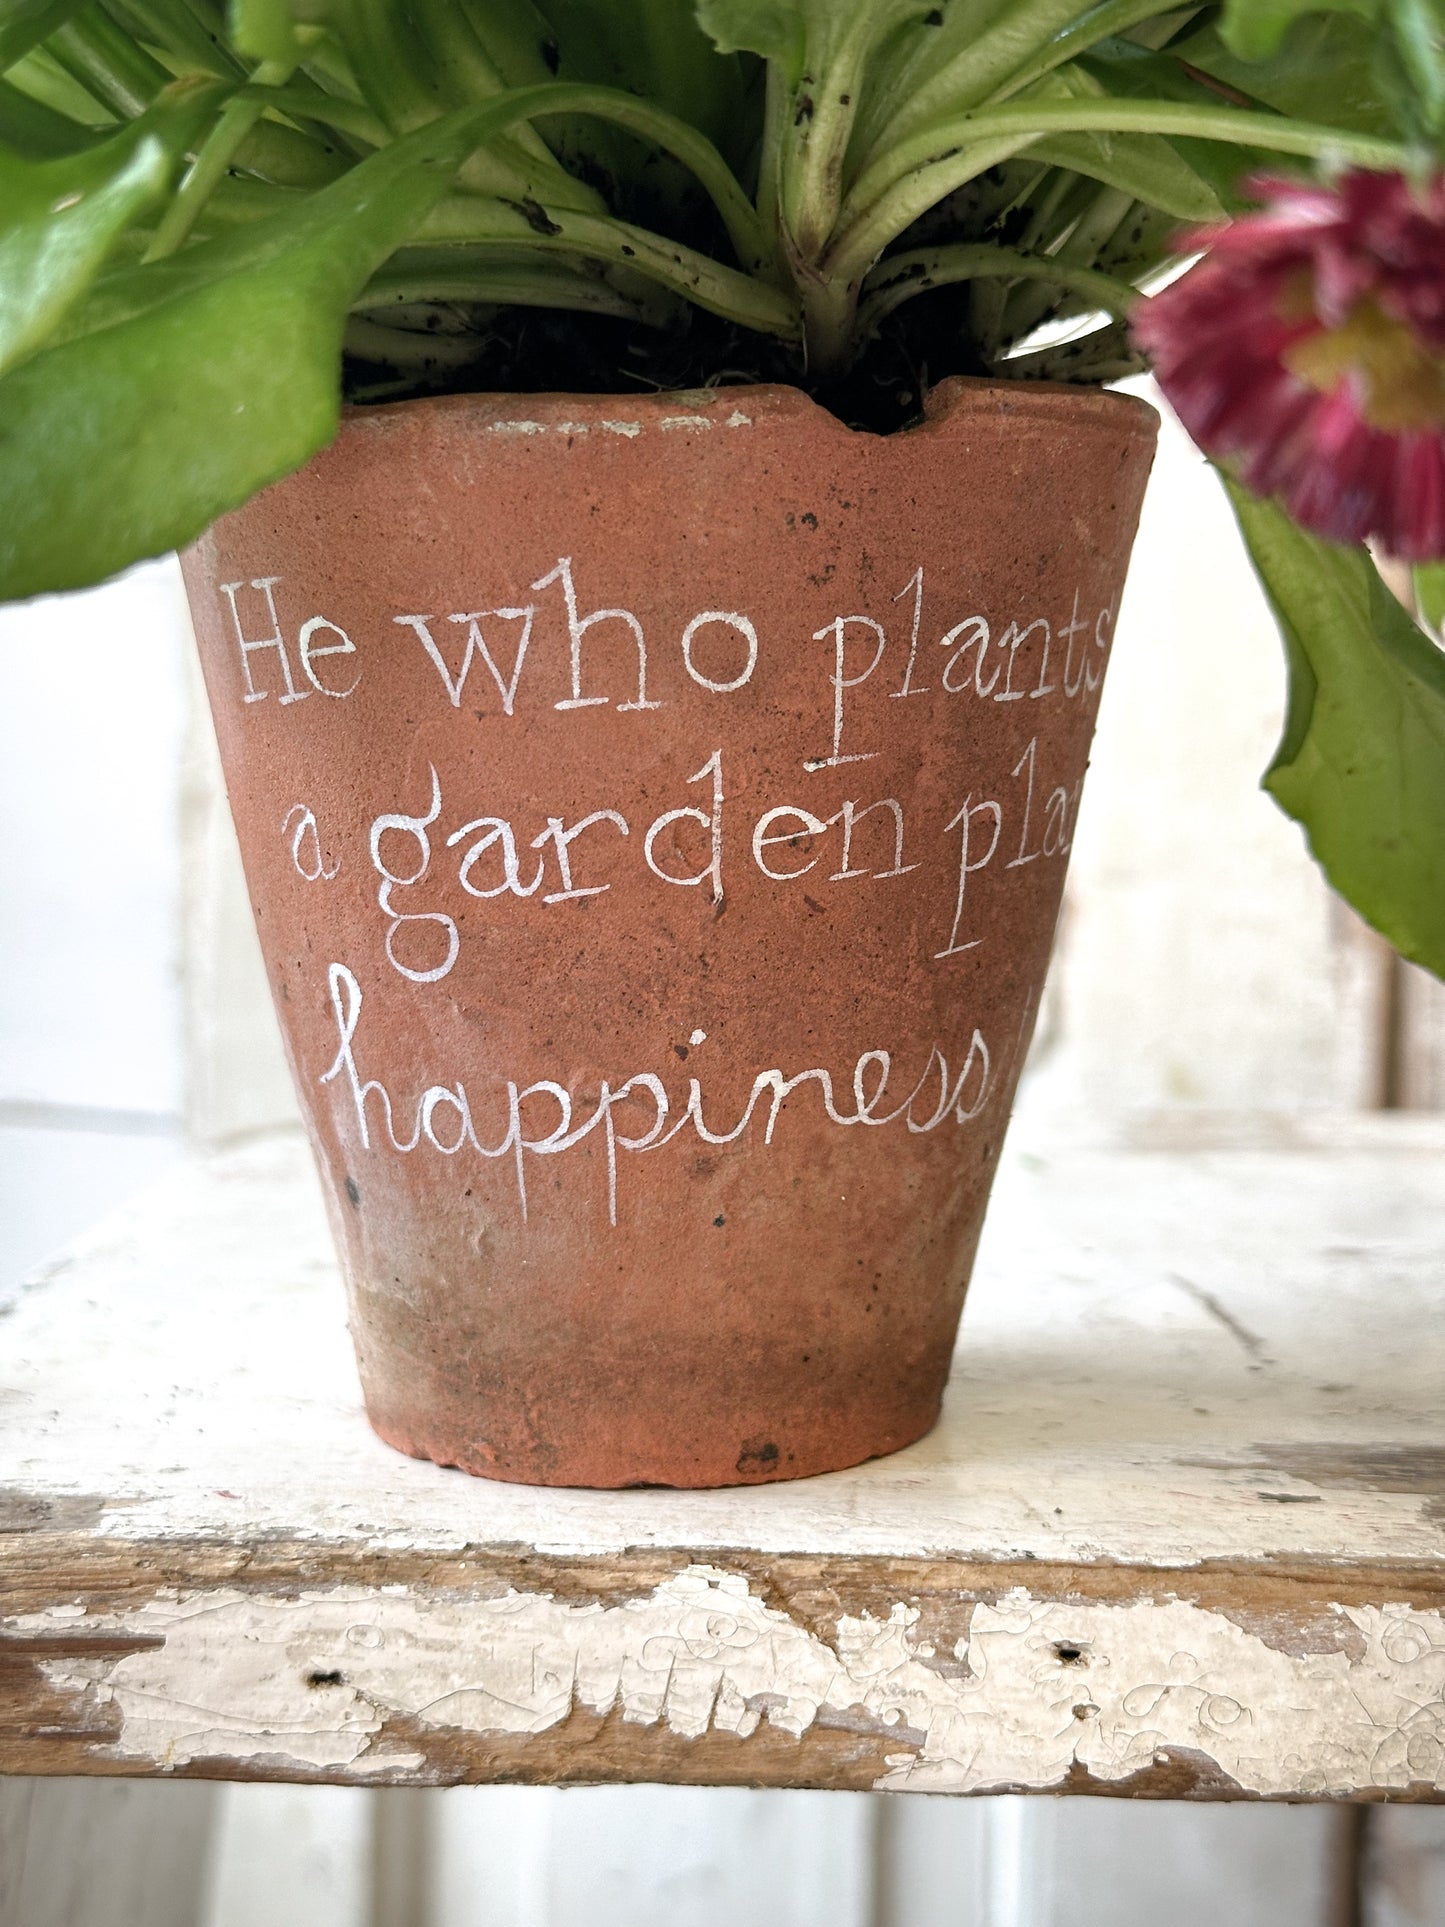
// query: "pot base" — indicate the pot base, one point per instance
point(760, 1460)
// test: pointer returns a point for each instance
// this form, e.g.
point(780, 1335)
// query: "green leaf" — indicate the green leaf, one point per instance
point(25, 23)
point(1429, 580)
point(31, 128)
point(1147, 168)
point(772, 28)
point(105, 428)
point(1325, 66)
point(110, 64)
point(916, 175)
point(41, 76)
point(209, 373)
point(1255, 29)
point(130, 440)
point(1400, 47)
point(1362, 761)
point(822, 57)
point(654, 48)
point(1411, 68)
point(265, 30)
point(1131, 72)
point(60, 219)
point(190, 34)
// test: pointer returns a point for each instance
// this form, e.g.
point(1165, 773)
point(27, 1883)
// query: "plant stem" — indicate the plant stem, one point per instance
point(469, 68)
point(724, 291)
point(702, 160)
point(1117, 17)
point(816, 129)
point(960, 67)
point(172, 26)
point(828, 317)
point(905, 275)
point(696, 152)
point(218, 150)
point(920, 171)
point(330, 110)
point(410, 348)
point(769, 201)
point(830, 302)
point(107, 63)
point(477, 279)
point(1097, 222)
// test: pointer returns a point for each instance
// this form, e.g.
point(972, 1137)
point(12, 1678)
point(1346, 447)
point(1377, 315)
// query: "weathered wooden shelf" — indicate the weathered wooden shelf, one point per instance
point(1181, 1530)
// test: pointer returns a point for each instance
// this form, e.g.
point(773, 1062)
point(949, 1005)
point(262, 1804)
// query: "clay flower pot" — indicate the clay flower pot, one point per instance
point(656, 812)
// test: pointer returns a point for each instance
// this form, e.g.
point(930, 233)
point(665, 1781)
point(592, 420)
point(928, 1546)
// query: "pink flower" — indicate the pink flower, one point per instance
point(1308, 346)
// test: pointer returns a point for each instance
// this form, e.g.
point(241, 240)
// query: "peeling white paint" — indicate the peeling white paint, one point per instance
point(671, 422)
point(1100, 1415)
point(630, 429)
point(1155, 1677)
point(516, 428)
point(1032, 1689)
point(737, 419)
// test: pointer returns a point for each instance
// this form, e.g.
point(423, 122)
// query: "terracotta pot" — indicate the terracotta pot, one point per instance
point(656, 812)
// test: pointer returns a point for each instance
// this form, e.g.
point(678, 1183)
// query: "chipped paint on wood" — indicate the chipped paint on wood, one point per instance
point(1194, 1419)
point(1031, 1692)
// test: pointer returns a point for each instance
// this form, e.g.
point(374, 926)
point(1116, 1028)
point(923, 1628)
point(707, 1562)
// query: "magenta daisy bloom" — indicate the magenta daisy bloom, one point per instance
point(1307, 348)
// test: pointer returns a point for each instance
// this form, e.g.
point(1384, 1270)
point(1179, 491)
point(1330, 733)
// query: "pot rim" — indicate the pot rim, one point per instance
point(955, 396)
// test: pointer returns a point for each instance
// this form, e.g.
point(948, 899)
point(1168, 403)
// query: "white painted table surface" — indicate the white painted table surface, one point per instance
point(1181, 1529)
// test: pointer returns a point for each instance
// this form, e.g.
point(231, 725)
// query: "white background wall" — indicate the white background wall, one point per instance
point(91, 1068)
point(1203, 969)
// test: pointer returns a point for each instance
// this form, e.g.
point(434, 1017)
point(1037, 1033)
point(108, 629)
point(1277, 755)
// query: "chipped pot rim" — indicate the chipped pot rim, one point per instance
point(691, 412)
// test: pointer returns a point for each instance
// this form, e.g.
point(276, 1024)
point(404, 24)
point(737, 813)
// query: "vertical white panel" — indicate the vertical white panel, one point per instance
point(90, 1034)
point(489, 1856)
point(652, 1857)
point(933, 1861)
point(1123, 1863)
point(89, 876)
point(1017, 1870)
point(103, 1853)
point(1031, 1862)
point(968, 1863)
point(236, 1075)
point(1422, 1040)
point(15, 1800)
point(1404, 1871)
point(290, 1856)
point(1196, 962)
point(402, 1861)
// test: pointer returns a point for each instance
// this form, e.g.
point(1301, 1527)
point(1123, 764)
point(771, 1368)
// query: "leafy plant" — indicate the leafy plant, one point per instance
point(215, 227)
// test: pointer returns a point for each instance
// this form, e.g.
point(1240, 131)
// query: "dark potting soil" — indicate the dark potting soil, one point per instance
point(542, 351)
